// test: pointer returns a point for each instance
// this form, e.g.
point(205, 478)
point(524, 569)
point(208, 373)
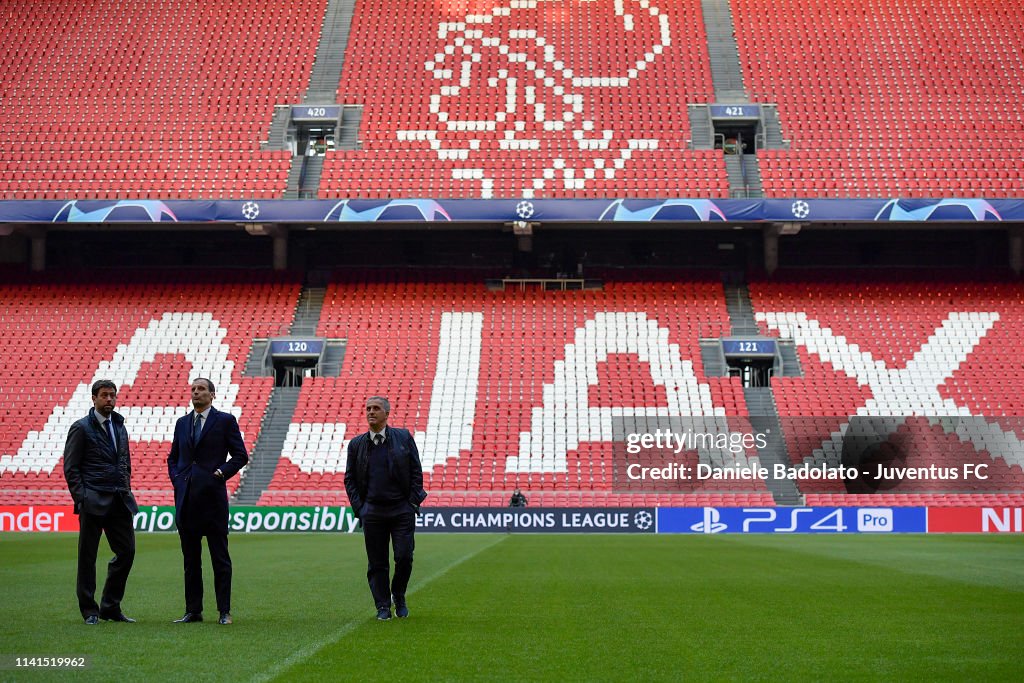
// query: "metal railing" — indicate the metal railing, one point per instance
point(718, 330)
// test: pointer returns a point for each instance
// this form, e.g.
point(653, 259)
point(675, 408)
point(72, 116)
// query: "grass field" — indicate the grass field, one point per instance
point(536, 607)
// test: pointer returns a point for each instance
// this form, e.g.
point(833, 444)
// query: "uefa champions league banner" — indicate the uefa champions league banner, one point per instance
point(795, 520)
point(538, 520)
point(506, 210)
point(248, 519)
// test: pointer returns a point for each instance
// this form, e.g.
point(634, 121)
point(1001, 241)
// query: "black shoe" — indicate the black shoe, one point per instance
point(120, 616)
point(92, 620)
point(190, 618)
point(401, 609)
point(225, 618)
point(383, 614)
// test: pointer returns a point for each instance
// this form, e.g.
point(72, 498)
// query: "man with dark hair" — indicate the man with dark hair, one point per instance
point(98, 468)
point(384, 481)
point(518, 500)
point(199, 469)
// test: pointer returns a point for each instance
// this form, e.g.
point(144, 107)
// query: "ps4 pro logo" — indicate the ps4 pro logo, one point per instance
point(781, 520)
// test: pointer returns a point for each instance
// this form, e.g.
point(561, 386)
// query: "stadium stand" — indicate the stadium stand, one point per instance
point(605, 86)
point(899, 98)
point(918, 99)
point(517, 388)
point(125, 99)
point(915, 349)
point(480, 376)
point(128, 99)
point(150, 336)
point(510, 388)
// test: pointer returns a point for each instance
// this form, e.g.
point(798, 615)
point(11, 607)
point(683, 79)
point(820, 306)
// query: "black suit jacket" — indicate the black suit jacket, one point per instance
point(96, 474)
point(403, 463)
point(200, 497)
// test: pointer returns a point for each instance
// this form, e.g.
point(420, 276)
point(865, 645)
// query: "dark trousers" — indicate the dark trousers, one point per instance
point(192, 552)
point(383, 525)
point(117, 524)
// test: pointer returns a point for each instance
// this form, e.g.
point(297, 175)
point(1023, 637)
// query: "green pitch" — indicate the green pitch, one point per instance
point(527, 607)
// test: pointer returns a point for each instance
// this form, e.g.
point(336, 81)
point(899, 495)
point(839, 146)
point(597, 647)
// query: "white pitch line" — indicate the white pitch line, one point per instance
point(313, 648)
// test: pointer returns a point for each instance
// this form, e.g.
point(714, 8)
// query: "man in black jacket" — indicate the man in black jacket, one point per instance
point(384, 481)
point(518, 500)
point(97, 467)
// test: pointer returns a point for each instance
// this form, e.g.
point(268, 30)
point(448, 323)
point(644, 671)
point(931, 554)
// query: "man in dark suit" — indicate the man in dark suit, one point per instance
point(199, 469)
point(98, 469)
point(384, 481)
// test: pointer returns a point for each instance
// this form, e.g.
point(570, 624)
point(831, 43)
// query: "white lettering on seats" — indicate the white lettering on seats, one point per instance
point(197, 336)
point(912, 391)
point(454, 393)
point(544, 108)
point(319, 447)
point(566, 418)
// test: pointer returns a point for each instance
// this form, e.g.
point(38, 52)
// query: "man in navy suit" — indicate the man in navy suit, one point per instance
point(98, 469)
point(384, 481)
point(199, 469)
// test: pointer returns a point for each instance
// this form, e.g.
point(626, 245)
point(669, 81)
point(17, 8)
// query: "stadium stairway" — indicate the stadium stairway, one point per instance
point(772, 128)
point(753, 186)
point(307, 311)
point(334, 356)
point(702, 131)
point(351, 119)
point(724, 55)
point(741, 316)
point(330, 53)
point(254, 364)
point(278, 128)
point(741, 311)
point(744, 176)
point(727, 77)
point(304, 175)
point(267, 451)
point(291, 190)
point(764, 419)
point(713, 358)
point(280, 408)
point(790, 359)
point(309, 178)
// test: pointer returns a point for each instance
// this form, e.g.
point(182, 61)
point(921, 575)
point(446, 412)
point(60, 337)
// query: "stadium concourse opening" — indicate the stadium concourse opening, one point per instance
point(735, 138)
point(752, 372)
point(291, 372)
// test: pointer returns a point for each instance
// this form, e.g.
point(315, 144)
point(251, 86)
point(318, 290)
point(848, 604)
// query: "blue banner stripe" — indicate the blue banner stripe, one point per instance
point(429, 210)
point(800, 520)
